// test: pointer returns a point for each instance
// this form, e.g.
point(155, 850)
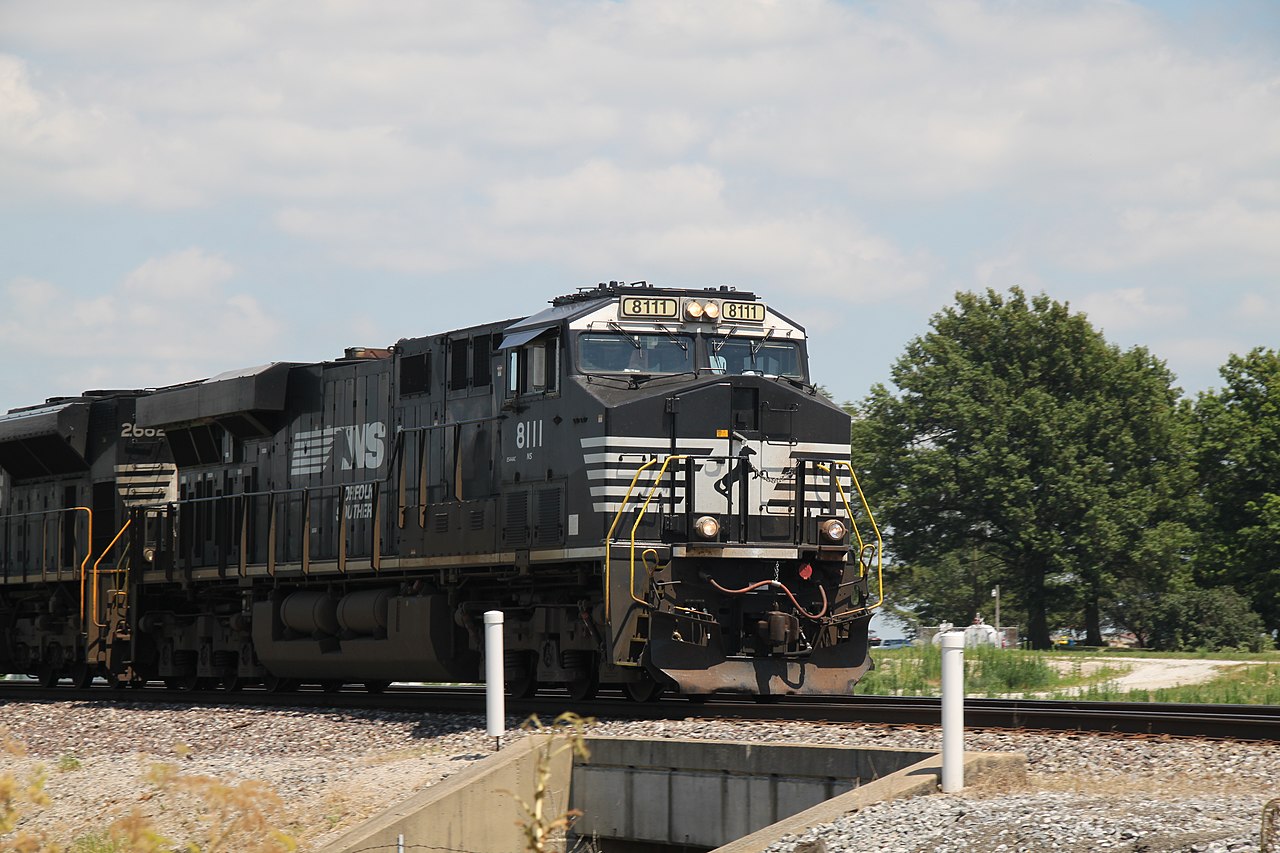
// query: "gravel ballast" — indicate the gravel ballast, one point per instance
point(331, 770)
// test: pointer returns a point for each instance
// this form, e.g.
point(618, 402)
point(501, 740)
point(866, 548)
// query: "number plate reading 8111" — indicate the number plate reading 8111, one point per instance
point(649, 308)
point(742, 312)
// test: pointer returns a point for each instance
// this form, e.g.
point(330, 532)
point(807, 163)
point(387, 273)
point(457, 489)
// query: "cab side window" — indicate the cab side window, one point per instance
point(535, 367)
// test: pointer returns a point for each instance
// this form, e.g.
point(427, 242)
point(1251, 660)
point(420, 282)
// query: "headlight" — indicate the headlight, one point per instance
point(833, 530)
point(693, 310)
point(711, 310)
point(707, 527)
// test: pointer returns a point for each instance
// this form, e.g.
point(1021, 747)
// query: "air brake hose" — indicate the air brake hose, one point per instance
point(780, 585)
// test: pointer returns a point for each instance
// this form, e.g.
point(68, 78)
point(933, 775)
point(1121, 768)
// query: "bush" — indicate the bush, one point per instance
point(1209, 619)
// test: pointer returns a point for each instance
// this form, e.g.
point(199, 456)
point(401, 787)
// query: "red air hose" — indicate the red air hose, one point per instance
point(780, 585)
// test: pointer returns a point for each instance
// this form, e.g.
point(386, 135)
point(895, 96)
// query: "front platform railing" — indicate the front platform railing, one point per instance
point(869, 553)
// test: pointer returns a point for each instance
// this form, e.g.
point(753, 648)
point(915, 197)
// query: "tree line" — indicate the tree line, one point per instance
point(1020, 448)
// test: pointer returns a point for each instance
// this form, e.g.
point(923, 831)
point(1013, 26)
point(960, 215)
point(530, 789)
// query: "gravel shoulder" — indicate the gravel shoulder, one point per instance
point(332, 770)
point(1154, 673)
point(1149, 673)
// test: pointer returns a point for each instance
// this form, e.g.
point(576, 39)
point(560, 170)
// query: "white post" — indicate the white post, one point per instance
point(952, 711)
point(995, 593)
point(495, 692)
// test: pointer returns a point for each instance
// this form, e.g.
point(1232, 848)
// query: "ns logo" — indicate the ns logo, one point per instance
point(363, 447)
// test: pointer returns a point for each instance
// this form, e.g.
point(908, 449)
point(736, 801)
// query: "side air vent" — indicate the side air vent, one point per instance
point(549, 529)
point(515, 518)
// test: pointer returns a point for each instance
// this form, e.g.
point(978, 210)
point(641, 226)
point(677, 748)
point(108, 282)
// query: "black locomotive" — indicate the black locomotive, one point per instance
point(643, 480)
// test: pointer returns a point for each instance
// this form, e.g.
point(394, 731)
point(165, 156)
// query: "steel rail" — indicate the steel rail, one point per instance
point(1228, 722)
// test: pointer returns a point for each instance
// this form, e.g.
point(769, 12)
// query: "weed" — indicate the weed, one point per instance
point(132, 833)
point(67, 763)
point(238, 815)
point(16, 794)
point(567, 733)
point(97, 842)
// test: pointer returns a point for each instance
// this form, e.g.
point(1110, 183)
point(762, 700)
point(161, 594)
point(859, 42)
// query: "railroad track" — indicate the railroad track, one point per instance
point(1234, 722)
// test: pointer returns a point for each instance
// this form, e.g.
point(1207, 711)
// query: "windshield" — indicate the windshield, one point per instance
point(625, 352)
point(745, 355)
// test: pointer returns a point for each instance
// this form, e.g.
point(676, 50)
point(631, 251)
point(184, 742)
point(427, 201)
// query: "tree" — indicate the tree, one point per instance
point(951, 588)
point(1238, 441)
point(1208, 619)
point(1022, 434)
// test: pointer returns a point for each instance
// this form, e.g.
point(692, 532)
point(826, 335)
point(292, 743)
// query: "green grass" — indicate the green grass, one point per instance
point(917, 671)
point(98, 842)
point(1238, 685)
point(990, 672)
point(1196, 654)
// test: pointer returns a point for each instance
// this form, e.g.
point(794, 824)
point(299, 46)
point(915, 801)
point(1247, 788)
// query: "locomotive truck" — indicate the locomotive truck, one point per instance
point(644, 480)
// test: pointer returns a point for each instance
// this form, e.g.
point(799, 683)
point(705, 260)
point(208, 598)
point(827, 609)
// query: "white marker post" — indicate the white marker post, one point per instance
point(952, 711)
point(495, 693)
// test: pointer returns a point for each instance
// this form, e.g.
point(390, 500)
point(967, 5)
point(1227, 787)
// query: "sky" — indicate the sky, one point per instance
point(192, 187)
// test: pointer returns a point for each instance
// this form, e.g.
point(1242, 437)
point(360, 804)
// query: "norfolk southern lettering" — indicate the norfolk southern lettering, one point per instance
point(363, 447)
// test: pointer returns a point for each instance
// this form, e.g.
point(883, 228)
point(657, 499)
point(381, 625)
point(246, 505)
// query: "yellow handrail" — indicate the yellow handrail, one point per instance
point(862, 567)
point(631, 584)
point(608, 538)
point(879, 541)
point(657, 481)
point(97, 563)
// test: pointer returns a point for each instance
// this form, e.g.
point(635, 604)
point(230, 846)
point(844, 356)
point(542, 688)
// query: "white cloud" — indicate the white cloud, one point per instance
point(187, 104)
point(874, 154)
point(1004, 272)
point(1258, 310)
point(674, 224)
point(190, 274)
point(169, 320)
point(601, 196)
point(1129, 308)
point(1240, 239)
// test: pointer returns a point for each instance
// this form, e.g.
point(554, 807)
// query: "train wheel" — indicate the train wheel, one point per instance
point(584, 687)
point(81, 676)
point(767, 698)
point(276, 684)
point(232, 683)
point(331, 685)
point(522, 674)
point(47, 676)
point(376, 686)
point(644, 690)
